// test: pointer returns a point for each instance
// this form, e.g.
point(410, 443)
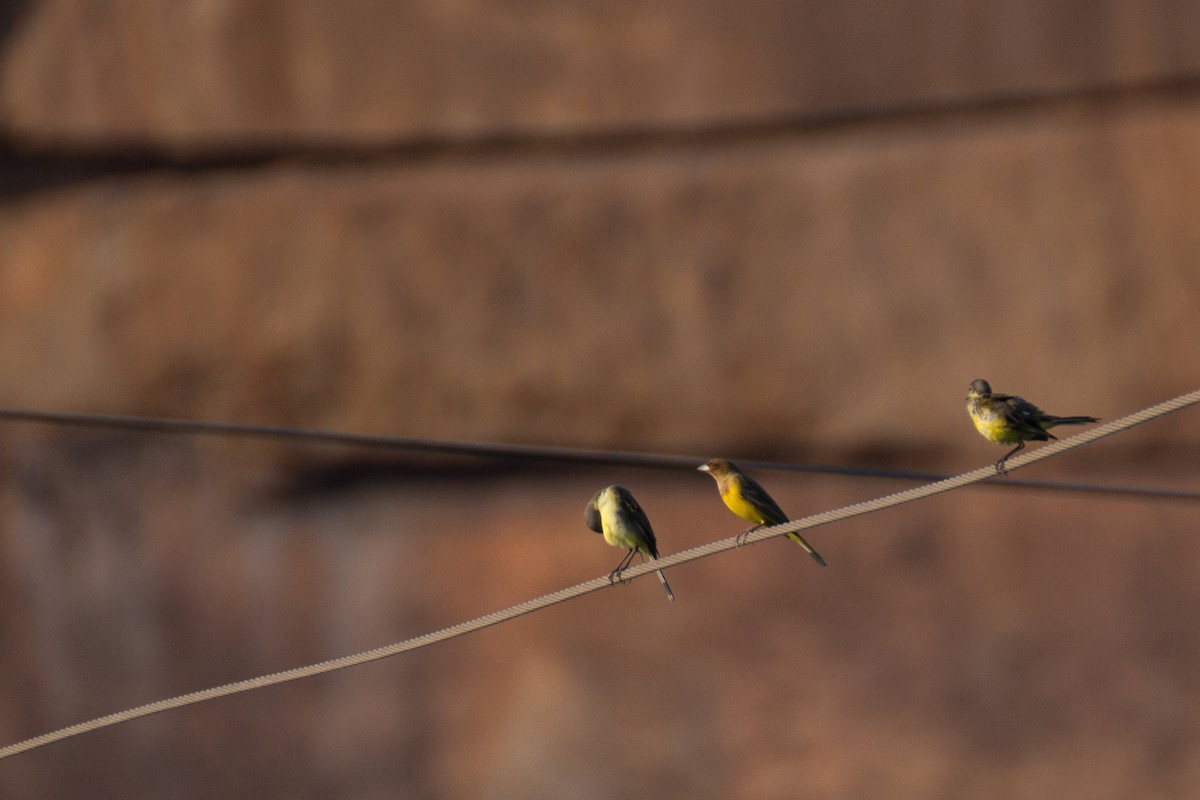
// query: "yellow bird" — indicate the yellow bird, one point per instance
point(750, 501)
point(613, 512)
point(1007, 419)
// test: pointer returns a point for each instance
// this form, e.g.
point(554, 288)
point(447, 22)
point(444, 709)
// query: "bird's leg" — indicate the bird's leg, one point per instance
point(615, 575)
point(741, 537)
point(1000, 468)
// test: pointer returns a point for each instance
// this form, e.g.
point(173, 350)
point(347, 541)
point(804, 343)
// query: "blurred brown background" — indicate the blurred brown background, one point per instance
point(792, 231)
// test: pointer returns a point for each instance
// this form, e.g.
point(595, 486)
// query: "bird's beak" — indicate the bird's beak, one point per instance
point(702, 468)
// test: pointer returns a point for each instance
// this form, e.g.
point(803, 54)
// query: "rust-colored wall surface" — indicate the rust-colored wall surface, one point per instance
point(793, 231)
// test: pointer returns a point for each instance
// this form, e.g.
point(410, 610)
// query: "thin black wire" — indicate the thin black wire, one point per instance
point(665, 562)
point(540, 453)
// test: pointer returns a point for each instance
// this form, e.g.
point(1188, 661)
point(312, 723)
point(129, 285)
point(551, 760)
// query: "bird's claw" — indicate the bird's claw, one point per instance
point(740, 539)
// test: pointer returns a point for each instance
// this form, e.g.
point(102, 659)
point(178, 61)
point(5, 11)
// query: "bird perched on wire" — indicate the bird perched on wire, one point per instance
point(614, 513)
point(750, 501)
point(1007, 419)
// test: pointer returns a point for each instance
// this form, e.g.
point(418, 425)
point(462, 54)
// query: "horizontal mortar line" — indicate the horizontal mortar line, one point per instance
point(253, 151)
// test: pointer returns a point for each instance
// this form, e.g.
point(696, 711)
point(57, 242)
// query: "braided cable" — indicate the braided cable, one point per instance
point(529, 606)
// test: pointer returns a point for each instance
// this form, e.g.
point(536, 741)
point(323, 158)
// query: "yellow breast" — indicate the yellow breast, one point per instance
point(733, 498)
point(993, 426)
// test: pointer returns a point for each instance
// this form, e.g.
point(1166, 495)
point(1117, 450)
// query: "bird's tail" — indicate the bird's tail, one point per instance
point(1050, 421)
point(808, 548)
point(667, 586)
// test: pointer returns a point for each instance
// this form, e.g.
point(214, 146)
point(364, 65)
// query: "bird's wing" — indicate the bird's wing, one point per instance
point(1024, 416)
point(757, 496)
point(633, 512)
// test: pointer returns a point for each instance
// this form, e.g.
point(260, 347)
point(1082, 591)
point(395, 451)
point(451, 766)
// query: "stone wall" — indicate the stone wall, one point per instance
point(794, 231)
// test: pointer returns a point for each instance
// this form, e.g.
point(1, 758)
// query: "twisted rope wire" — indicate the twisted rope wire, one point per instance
point(529, 606)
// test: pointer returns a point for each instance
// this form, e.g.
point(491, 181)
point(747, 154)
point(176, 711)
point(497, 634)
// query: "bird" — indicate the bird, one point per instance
point(614, 513)
point(750, 501)
point(1008, 419)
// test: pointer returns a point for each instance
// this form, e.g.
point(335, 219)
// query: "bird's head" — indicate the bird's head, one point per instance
point(979, 390)
point(716, 467)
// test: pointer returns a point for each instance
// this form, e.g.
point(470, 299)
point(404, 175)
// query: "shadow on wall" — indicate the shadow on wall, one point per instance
point(15, 171)
point(28, 165)
point(10, 14)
